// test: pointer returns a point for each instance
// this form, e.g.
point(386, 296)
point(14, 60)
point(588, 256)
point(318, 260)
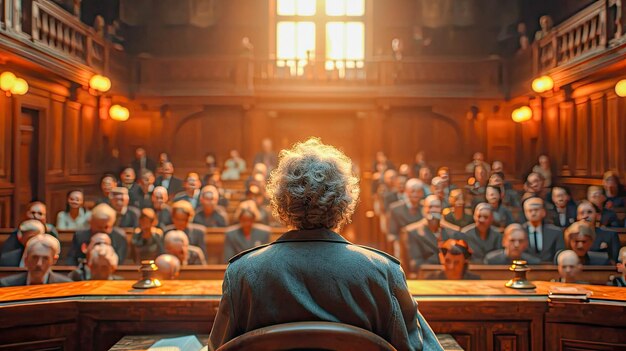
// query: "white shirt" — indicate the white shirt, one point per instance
point(66, 222)
point(538, 234)
point(166, 183)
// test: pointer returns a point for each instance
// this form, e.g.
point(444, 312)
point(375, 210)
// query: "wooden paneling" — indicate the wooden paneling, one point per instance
point(597, 133)
point(583, 137)
point(56, 139)
point(7, 139)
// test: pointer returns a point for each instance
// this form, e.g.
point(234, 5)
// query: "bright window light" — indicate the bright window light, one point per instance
point(345, 41)
point(296, 7)
point(345, 7)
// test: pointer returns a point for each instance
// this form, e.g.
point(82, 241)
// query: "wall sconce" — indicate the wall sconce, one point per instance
point(119, 113)
point(100, 84)
point(474, 114)
point(522, 114)
point(542, 84)
point(12, 84)
point(620, 88)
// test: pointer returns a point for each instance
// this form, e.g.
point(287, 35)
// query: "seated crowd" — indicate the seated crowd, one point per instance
point(428, 220)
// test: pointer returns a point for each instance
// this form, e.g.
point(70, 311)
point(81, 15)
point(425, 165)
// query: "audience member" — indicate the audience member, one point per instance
point(266, 156)
point(191, 192)
point(161, 208)
point(438, 187)
point(142, 162)
point(579, 238)
point(75, 216)
point(389, 189)
point(420, 161)
point(543, 168)
point(25, 231)
point(102, 221)
point(514, 243)
point(107, 183)
point(127, 180)
point(146, 187)
point(176, 243)
point(126, 216)
point(605, 241)
point(169, 181)
point(102, 263)
point(425, 235)
point(41, 253)
point(234, 166)
point(481, 237)
point(563, 213)
point(608, 218)
point(502, 216)
point(456, 214)
point(406, 211)
point(246, 234)
point(37, 211)
point(621, 267)
point(262, 203)
point(510, 198)
point(210, 161)
point(535, 184)
point(147, 239)
point(545, 239)
point(82, 270)
point(569, 267)
point(455, 257)
point(613, 190)
point(169, 267)
point(210, 214)
point(182, 215)
point(477, 159)
point(426, 176)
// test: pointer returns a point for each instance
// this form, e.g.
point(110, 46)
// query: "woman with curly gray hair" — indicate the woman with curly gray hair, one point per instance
point(311, 273)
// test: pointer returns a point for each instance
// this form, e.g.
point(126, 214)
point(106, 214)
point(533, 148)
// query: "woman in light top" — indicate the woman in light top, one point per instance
point(75, 216)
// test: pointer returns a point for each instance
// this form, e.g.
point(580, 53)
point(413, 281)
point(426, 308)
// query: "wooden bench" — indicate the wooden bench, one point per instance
point(131, 272)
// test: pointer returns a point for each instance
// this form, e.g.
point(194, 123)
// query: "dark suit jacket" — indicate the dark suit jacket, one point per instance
point(552, 242)
point(118, 241)
point(19, 279)
point(552, 216)
point(317, 275)
point(175, 186)
point(165, 217)
point(479, 246)
point(235, 241)
point(130, 219)
point(442, 276)
point(195, 234)
point(423, 244)
point(11, 258)
point(136, 165)
point(216, 219)
point(400, 216)
point(389, 197)
point(13, 243)
point(607, 242)
point(596, 259)
point(609, 218)
point(499, 257)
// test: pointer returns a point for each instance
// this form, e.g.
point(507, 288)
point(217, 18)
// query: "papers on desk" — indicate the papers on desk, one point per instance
point(568, 293)
point(182, 343)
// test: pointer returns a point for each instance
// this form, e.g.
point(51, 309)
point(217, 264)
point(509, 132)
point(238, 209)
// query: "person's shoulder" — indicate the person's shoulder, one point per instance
point(238, 256)
point(468, 228)
point(14, 279)
point(58, 278)
point(196, 227)
point(552, 228)
point(383, 254)
point(118, 231)
point(494, 257)
point(396, 205)
point(415, 226)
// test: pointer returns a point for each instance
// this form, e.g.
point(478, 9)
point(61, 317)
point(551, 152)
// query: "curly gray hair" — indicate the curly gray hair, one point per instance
point(313, 186)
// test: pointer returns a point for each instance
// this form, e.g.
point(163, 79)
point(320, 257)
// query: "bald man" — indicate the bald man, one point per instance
point(621, 267)
point(545, 240)
point(580, 237)
point(163, 211)
point(169, 266)
point(41, 253)
point(425, 235)
point(569, 267)
point(481, 236)
point(25, 231)
point(102, 263)
point(36, 210)
point(102, 221)
point(514, 243)
point(176, 243)
point(82, 271)
point(408, 209)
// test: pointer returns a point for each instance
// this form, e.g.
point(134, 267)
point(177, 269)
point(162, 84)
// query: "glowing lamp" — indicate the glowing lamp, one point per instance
point(620, 88)
point(522, 114)
point(20, 87)
point(100, 83)
point(542, 84)
point(119, 113)
point(7, 80)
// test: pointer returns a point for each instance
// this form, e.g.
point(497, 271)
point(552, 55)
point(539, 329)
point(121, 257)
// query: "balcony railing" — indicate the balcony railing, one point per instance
point(45, 27)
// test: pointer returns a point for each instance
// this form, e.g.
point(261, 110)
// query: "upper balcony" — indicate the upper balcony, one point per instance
point(43, 33)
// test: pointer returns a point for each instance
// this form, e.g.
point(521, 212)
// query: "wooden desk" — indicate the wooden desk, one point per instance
point(480, 315)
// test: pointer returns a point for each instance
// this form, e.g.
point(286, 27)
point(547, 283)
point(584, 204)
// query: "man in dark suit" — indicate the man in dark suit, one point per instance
point(562, 213)
point(102, 221)
point(41, 253)
point(191, 192)
point(142, 162)
point(127, 216)
point(168, 180)
point(608, 217)
point(605, 241)
point(481, 236)
point(545, 239)
point(161, 208)
point(146, 187)
point(26, 230)
point(405, 212)
point(425, 235)
point(580, 237)
point(176, 243)
point(209, 213)
point(36, 210)
point(182, 214)
point(127, 180)
point(515, 242)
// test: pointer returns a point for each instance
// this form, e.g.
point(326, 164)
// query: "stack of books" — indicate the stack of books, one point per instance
point(569, 294)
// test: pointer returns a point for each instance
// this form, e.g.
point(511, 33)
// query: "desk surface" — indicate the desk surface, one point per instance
point(212, 289)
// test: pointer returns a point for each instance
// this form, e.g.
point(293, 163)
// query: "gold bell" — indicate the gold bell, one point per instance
point(519, 281)
point(148, 276)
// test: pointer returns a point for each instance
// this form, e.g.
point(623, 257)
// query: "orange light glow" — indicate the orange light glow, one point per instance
point(542, 84)
point(522, 114)
point(20, 87)
point(119, 113)
point(620, 88)
point(7, 80)
point(100, 83)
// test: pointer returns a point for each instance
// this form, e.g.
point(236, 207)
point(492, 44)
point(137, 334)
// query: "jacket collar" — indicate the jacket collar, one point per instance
point(319, 234)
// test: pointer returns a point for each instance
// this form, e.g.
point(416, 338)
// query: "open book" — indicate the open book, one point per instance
point(568, 293)
point(181, 343)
